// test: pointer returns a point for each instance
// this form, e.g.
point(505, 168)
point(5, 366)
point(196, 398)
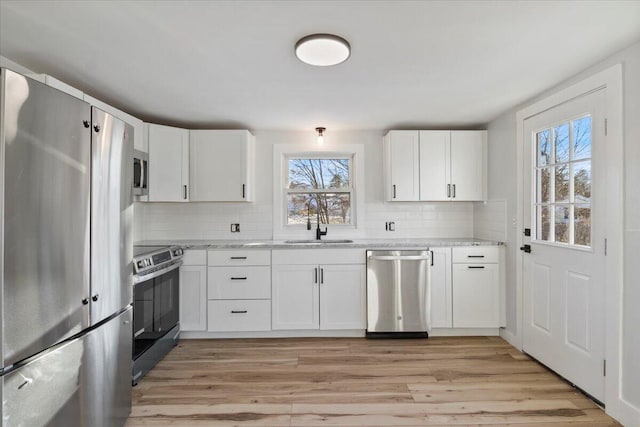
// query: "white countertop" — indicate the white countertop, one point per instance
point(357, 243)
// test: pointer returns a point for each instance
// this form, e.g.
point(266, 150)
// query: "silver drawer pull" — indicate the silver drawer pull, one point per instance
point(238, 278)
point(238, 311)
point(238, 257)
point(475, 266)
point(475, 256)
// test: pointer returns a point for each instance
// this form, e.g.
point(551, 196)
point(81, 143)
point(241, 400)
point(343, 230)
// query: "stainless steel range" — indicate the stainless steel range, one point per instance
point(156, 305)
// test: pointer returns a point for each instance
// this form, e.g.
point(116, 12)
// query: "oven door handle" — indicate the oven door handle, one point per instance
point(139, 279)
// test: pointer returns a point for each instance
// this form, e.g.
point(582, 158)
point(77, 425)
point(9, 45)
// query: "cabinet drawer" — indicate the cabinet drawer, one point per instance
point(318, 256)
point(239, 257)
point(476, 254)
point(239, 282)
point(194, 257)
point(239, 315)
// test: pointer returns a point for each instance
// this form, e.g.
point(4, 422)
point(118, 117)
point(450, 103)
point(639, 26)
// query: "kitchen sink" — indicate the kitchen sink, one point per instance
point(311, 242)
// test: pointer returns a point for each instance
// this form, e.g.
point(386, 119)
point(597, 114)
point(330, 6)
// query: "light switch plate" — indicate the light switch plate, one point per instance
point(235, 228)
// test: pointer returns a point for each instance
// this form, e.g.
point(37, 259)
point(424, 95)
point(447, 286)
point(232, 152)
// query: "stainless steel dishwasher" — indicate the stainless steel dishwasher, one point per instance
point(398, 293)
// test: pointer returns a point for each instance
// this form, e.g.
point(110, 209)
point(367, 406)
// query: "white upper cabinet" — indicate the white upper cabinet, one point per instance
point(435, 165)
point(168, 164)
point(402, 165)
point(221, 165)
point(468, 160)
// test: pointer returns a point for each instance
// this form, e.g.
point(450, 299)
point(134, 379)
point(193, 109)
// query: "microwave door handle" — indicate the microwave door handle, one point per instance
point(143, 174)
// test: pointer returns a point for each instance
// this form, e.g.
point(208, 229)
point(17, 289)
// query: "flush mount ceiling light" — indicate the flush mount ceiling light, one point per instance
point(322, 50)
point(320, 135)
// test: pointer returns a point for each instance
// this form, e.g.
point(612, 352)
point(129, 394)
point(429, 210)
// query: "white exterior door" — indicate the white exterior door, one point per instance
point(564, 274)
point(342, 297)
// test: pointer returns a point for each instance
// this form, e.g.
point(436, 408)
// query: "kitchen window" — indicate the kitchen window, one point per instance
point(319, 187)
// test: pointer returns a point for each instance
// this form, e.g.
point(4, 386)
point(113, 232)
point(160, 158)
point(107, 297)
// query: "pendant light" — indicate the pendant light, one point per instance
point(320, 132)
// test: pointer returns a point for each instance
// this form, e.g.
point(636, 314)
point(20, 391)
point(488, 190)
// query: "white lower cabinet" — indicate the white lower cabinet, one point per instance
point(441, 295)
point(318, 296)
point(239, 290)
point(239, 315)
point(476, 287)
point(193, 291)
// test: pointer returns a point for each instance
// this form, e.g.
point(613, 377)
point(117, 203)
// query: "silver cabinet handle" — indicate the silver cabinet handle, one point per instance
point(399, 258)
point(185, 192)
point(238, 278)
point(454, 191)
point(448, 190)
point(238, 257)
point(238, 311)
point(315, 275)
point(475, 266)
point(243, 191)
point(394, 191)
point(322, 275)
point(475, 256)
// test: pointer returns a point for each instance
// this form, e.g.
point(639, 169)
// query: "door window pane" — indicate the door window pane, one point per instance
point(562, 183)
point(544, 147)
point(561, 139)
point(544, 226)
point(582, 138)
point(544, 185)
point(562, 224)
point(582, 225)
point(582, 181)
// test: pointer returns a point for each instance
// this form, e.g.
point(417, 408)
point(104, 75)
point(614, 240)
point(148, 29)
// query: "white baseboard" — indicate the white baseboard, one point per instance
point(510, 337)
point(628, 415)
point(273, 334)
point(351, 333)
point(464, 332)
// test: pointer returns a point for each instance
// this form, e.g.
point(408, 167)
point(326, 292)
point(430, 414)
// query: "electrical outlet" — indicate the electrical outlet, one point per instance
point(390, 226)
point(235, 228)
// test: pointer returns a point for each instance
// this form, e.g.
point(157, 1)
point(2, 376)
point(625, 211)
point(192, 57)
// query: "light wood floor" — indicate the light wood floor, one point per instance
point(356, 382)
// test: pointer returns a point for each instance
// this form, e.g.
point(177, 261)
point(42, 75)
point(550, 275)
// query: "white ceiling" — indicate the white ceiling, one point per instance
point(232, 64)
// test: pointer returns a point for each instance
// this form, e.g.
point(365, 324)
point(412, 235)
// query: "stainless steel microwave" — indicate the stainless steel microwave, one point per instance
point(140, 173)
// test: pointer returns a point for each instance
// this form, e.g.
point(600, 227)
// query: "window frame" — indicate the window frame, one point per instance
point(356, 151)
point(551, 165)
point(316, 156)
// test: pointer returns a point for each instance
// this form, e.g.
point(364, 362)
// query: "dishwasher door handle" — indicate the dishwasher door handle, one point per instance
point(400, 258)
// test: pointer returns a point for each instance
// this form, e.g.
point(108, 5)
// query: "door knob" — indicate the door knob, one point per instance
point(95, 297)
point(526, 248)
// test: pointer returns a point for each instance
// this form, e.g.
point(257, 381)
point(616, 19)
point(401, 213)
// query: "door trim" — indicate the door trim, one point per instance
point(611, 79)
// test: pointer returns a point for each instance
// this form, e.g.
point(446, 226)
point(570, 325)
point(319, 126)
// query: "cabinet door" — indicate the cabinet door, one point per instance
point(467, 165)
point(441, 300)
point(403, 163)
point(294, 297)
point(168, 164)
point(476, 296)
point(220, 165)
point(435, 160)
point(193, 298)
point(342, 297)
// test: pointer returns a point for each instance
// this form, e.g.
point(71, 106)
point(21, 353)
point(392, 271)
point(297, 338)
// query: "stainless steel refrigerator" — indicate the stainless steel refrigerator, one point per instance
point(65, 260)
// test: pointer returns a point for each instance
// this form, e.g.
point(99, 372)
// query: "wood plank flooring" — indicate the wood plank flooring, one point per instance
point(444, 381)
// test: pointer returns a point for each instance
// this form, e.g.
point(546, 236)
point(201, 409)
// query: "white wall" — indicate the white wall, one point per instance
point(502, 184)
point(196, 221)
